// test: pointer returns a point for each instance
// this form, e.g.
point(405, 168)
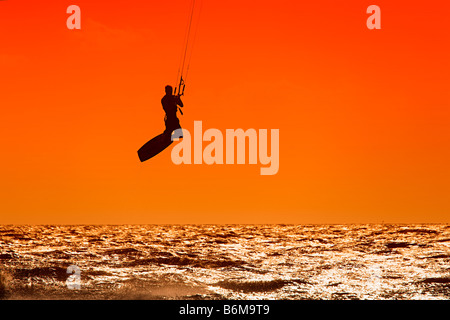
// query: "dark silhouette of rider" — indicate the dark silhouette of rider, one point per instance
point(170, 105)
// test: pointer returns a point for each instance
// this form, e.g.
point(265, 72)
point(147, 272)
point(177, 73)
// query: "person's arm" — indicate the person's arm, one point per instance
point(179, 102)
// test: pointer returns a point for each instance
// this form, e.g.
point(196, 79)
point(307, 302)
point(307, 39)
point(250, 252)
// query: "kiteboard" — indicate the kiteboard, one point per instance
point(154, 146)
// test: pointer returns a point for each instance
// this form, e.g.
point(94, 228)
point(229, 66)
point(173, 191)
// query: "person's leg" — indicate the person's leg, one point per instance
point(171, 126)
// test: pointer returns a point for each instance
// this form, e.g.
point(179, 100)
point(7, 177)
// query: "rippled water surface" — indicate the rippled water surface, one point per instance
point(226, 261)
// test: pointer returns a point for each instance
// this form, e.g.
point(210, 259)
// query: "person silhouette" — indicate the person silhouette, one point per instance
point(170, 105)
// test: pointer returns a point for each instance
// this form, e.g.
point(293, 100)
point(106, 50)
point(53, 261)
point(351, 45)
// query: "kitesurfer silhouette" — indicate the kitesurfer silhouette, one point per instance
point(171, 102)
point(170, 105)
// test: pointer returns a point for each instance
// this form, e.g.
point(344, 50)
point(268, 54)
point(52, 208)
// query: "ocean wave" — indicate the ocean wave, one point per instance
point(6, 256)
point(418, 231)
point(252, 286)
point(54, 254)
point(186, 261)
point(392, 245)
point(17, 236)
point(441, 280)
point(57, 273)
point(439, 256)
point(125, 251)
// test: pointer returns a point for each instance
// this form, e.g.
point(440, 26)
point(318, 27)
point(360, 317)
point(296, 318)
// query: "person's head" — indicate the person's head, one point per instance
point(169, 90)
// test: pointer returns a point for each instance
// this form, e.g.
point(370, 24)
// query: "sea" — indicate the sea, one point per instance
point(223, 262)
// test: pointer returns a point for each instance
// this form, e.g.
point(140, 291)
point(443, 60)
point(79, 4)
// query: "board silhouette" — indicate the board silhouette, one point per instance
point(154, 146)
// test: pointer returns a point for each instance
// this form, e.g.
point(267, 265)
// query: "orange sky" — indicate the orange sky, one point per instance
point(364, 115)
